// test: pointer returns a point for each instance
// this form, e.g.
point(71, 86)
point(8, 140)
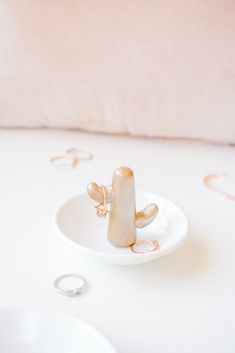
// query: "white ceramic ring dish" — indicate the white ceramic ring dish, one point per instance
point(42, 332)
point(77, 221)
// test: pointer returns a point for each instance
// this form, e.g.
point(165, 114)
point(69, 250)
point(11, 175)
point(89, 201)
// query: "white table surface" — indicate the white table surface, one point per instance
point(183, 302)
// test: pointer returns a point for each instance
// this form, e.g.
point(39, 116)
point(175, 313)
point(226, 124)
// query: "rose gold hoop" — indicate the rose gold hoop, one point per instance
point(71, 159)
point(81, 154)
point(207, 182)
point(154, 243)
point(62, 162)
point(102, 207)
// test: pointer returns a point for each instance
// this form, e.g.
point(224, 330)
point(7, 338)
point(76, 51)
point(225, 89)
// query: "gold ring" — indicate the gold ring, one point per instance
point(80, 154)
point(207, 182)
point(62, 162)
point(71, 159)
point(102, 207)
point(154, 243)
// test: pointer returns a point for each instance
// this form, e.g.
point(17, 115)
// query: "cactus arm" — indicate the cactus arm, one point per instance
point(95, 192)
point(146, 216)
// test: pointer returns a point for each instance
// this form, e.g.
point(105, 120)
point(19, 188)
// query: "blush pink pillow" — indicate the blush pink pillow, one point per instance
point(154, 68)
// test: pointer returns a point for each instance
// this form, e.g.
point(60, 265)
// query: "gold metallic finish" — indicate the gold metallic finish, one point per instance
point(138, 244)
point(210, 178)
point(71, 159)
point(96, 192)
point(146, 216)
point(123, 219)
point(102, 207)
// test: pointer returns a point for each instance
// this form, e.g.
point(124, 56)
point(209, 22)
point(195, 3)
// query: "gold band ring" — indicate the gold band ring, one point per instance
point(135, 246)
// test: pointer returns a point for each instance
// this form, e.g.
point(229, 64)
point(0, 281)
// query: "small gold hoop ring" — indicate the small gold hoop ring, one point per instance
point(102, 207)
point(62, 162)
point(207, 182)
point(71, 159)
point(80, 154)
point(154, 243)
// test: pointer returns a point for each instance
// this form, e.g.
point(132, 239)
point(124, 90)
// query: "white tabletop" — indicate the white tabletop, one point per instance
point(183, 302)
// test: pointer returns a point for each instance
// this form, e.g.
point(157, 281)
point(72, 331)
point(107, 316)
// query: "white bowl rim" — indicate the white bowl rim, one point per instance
point(55, 313)
point(98, 253)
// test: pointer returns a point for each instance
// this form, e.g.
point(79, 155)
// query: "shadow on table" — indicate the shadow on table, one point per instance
point(187, 262)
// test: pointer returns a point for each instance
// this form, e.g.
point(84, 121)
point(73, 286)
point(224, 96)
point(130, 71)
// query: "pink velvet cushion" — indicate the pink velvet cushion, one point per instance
point(155, 68)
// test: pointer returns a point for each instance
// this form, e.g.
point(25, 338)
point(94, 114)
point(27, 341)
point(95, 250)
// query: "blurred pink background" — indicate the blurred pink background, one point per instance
point(154, 68)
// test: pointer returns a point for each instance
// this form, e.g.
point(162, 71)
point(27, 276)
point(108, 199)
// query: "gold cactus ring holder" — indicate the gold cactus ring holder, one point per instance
point(123, 218)
point(117, 225)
